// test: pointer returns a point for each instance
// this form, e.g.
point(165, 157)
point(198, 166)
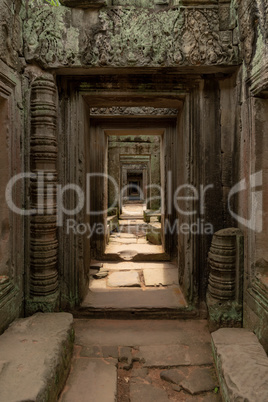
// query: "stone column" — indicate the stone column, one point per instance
point(43, 275)
point(225, 287)
point(144, 184)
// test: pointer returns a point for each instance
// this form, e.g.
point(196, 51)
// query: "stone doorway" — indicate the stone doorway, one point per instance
point(164, 108)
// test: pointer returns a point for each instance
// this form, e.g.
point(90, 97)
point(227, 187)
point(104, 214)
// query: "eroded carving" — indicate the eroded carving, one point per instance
point(48, 39)
point(263, 16)
point(117, 111)
point(247, 27)
point(127, 36)
point(43, 153)
point(174, 37)
point(10, 38)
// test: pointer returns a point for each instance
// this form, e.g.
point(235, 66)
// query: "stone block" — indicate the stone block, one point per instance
point(154, 233)
point(242, 365)
point(36, 355)
point(160, 276)
point(124, 279)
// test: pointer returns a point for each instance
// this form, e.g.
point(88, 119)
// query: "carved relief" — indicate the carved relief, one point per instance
point(47, 38)
point(173, 37)
point(10, 38)
point(43, 153)
point(127, 36)
point(247, 28)
point(133, 111)
point(263, 16)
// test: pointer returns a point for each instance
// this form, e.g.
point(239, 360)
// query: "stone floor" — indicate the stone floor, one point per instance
point(131, 285)
point(131, 238)
point(141, 361)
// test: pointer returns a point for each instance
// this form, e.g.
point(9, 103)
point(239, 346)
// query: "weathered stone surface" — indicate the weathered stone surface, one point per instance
point(91, 380)
point(110, 351)
point(146, 392)
point(35, 355)
point(124, 279)
point(201, 379)
point(139, 372)
point(242, 365)
point(125, 356)
point(174, 355)
point(91, 351)
point(160, 276)
point(84, 3)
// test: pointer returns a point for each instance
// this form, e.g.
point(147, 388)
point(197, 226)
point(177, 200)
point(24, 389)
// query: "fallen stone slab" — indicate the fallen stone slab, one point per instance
point(35, 357)
point(174, 376)
point(200, 379)
point(242, 365)
point(124, 279)
point(93, 380)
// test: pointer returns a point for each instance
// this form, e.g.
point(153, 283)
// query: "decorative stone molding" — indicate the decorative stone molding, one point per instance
point(224, 295)
point(43, 225)
point(142, 111)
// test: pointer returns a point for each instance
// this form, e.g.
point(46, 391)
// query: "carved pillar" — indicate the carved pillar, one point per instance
point(225, 288)
point(43, 276)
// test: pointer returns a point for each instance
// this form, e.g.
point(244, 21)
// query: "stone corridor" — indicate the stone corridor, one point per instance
point(133, 200)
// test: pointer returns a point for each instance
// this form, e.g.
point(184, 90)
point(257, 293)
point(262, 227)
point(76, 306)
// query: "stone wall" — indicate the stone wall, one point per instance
point(11, 163)
point(253, 146)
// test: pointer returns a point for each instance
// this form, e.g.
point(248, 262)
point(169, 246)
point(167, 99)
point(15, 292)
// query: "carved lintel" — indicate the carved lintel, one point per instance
point(43, 225)
point(128, 111)
point(128, 36)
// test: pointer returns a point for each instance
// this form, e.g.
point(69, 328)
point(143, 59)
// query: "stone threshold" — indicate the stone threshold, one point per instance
point(136, 314)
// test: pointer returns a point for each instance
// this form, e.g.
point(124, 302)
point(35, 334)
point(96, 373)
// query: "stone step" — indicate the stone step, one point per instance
point(35, 357)
point(242, 365)
point(129, 303)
